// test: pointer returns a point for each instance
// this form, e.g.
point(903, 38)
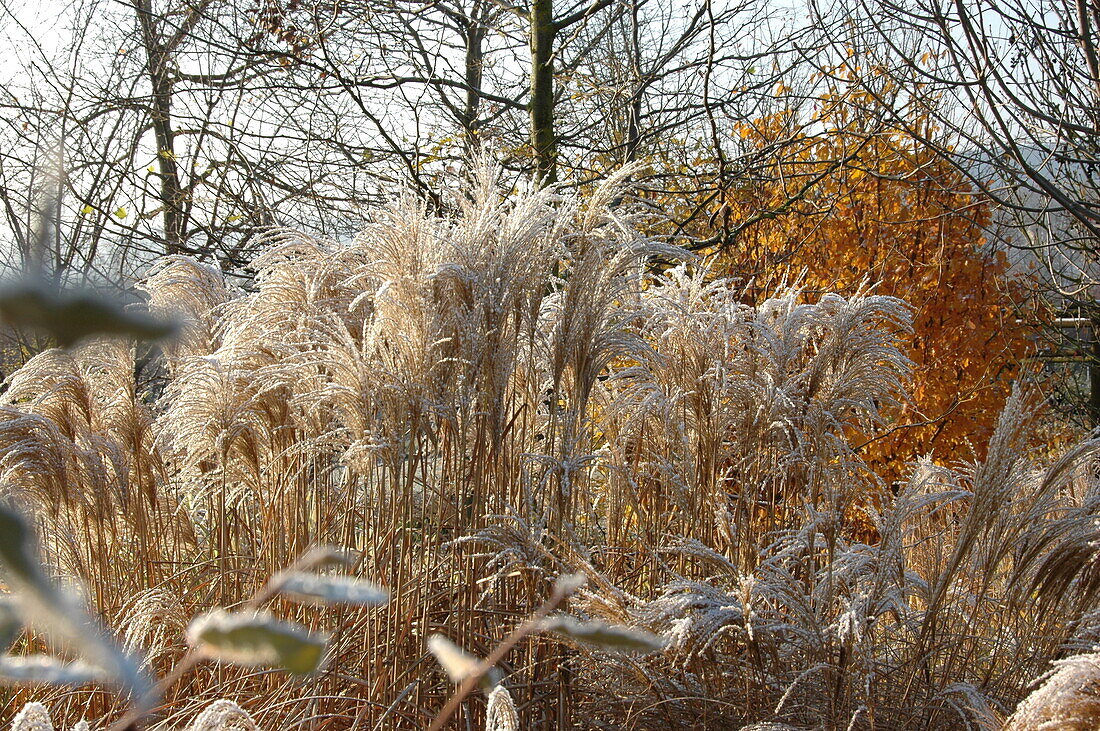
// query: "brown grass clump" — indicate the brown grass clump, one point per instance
point(478, 403)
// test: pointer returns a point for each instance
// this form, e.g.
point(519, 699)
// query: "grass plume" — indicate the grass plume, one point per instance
point(476, 404)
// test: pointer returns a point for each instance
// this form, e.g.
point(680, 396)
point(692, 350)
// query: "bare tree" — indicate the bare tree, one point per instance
point(179, 130)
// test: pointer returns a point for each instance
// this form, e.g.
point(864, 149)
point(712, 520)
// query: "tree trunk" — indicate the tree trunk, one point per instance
point(475, 56)
point(634, 110)
point(171, 193)
point(1094, 372)
point(541, 107)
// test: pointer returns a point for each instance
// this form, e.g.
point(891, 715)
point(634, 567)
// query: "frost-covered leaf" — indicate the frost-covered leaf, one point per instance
point(456, 662)
point(17, 550)
point(567, 584)
point(459, 664)
point(606, 636)
point(10, 623)
point(42, 605)
point(320, 557)
point(256, 638)
point(35, 669)
point(331, 589)
point(69, 316)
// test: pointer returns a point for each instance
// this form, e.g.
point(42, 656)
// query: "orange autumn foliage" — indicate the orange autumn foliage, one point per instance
point(883, 211)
